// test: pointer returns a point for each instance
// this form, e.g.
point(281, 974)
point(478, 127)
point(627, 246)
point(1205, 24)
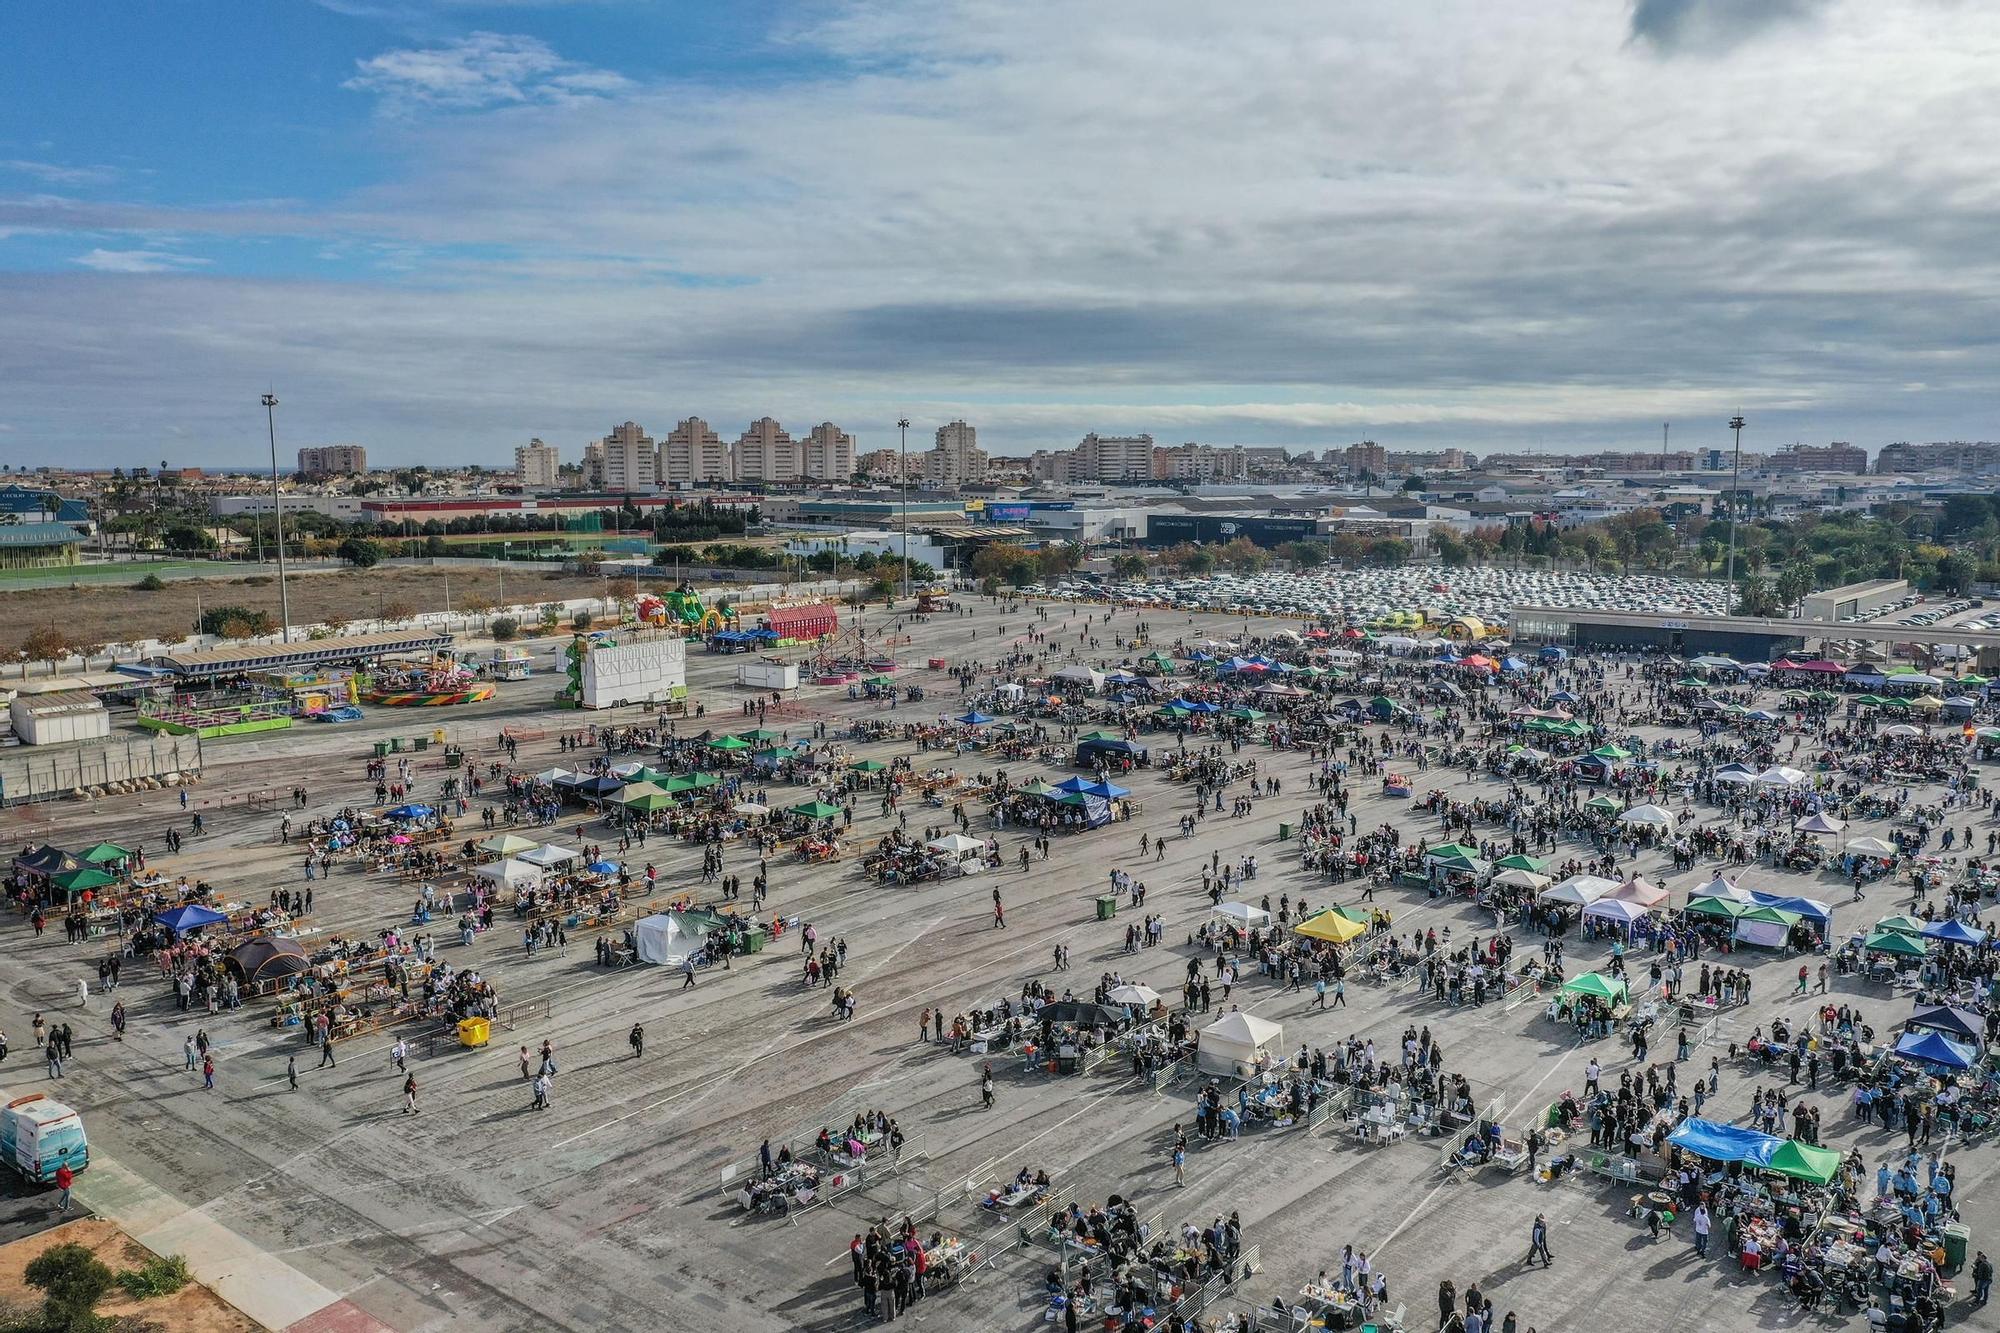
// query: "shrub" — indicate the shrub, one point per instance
point(505, 628)
point(161, 1275)
point(580, 622)
point(151, 583)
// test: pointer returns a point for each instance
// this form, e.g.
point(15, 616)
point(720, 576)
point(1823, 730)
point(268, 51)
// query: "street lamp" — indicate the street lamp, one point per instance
point(1735, 500)
point(278, 513)
point(903, 425)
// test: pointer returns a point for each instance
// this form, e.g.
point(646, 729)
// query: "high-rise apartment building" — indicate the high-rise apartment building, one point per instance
point(1116, 457)
point(828, 454)
point(1201, 463)
point(1366, 456)
point(333, 460)
point(1955, 456)
point(537, 465)
point(766, 452)
point(631, 461)
point(592, 466)
point(956, 459)
point(694, 454)
point(887, 465)
point(1839, 456)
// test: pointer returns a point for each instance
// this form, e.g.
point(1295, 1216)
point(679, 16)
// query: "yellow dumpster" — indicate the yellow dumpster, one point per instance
point(474, 1031)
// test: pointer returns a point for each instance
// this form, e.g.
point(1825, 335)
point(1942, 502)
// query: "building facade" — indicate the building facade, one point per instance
point(631, 461)
point(1956, 456)
point(827, 454)
point(956, 459)
point(1367, 456)
point(693, 454)
point(537, 466)
point(333, 460)
point(765, 451)
point(1836, 457)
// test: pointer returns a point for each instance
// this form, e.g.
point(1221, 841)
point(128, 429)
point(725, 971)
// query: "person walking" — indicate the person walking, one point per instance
point(208, 1073)
point(326, 1051)
point(986, 1087)
point(292, 1072)
point(999, 912)
point(1180, 1165)
point(53, 1051)
point(541, 1085)
point(687, 972)
point(638, 1041)
point(409, 1094)
point(1538, 1242)
point(66, 1177)
point(1702, 1223)
point(1982, 1279)
point(399, 1055)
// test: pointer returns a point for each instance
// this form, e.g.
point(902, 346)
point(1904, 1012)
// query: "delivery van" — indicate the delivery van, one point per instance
point(39, 1134)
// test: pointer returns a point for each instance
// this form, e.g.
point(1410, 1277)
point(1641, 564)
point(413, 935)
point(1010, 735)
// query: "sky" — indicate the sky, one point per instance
point(440, 227)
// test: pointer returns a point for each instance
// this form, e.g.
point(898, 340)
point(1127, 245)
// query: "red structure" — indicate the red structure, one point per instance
point(803, 622)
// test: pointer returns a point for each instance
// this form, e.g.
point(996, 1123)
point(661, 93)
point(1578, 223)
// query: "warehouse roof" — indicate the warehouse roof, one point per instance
point(59, 704)
point(39, 534)
point(304, 652)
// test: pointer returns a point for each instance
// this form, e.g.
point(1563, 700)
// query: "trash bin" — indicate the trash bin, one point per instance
point(1957, 1240)
point(1284, 831)
point(420, 742)
point(474, 1031)
point(395, 745)
point(381, 749)
point(1107, 906)
point(754, 940)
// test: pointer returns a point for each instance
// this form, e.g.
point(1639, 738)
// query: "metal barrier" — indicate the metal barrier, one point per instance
point(1330, 1109)
point(1218, 1287)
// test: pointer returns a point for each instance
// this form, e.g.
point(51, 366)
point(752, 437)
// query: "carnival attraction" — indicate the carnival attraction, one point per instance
point(439, 681)
point(271, 701)
point(683, 610)
point(931, 601)
point(648, 666)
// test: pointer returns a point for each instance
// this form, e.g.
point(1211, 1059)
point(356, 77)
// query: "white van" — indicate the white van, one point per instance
point(39, 1134)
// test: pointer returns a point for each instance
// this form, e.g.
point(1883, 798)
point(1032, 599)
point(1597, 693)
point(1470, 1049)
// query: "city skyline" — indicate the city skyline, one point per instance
point(441, 229)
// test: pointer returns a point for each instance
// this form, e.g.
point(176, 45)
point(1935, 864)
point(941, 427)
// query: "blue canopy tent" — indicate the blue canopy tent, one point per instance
point(1935, 1049)
point(1962, 1024)
point(408, 812)
point(1724, 1143)
point(603, 867)
point(761, 632)
point(973, 719)
point(1553, 653)
point(1511, 664)
point(1095, 745)
point(1106, 790)
point(1811, 909)
point(190, 916)
point(1096, 810)
point(596, 788)
point(1953, 931)
point(1199, 656)
point(1562, 697)
point(1120, 677)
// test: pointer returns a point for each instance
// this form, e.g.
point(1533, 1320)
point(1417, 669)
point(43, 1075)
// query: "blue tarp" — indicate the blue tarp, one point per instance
point(1934, 1048)
point(409, 812)
point(1096, 811)
point(1107, 790)
point(1724, 1143)
point(192, 916)
point(1954, 932)
point(973, 719)
point(1949, 1020)
point(1554, 653)
point(1513, 664)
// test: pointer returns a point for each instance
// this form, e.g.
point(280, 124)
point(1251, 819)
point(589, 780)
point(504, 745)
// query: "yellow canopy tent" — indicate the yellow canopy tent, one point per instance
point(1331, 927)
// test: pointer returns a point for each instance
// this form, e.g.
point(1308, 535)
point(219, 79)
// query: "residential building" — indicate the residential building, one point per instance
point(631, 461)
point(828, 454)
point(693, 454)
point(765, 451)
point(887, 465)
point(955, 459)
point(1368, 457)
point(1403, 463)
point(1839, 456)
point(333, 460)
point(1200, 463)
point(1058, 467)
point(592, 466)
point(537, 466)
point(346, 508)
point(1956, 456)
point(1117, 457)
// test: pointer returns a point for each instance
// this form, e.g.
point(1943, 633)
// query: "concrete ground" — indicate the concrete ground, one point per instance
point(327, 1209)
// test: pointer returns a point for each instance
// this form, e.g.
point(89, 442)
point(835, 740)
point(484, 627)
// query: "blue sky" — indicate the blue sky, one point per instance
point(438, 227)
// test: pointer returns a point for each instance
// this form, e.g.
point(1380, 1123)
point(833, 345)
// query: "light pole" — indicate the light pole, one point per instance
point(278, 513)
point(903, 425)
point(1735, 499)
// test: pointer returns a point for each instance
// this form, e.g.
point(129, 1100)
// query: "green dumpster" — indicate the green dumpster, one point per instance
point(420, 742)
point(395, 745)
point(754, 939)
point(1284, 832)
point(1957, 1240)
point(381, 749)
point(1107, 906)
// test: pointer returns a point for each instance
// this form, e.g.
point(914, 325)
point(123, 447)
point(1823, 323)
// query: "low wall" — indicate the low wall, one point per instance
point(48, 773)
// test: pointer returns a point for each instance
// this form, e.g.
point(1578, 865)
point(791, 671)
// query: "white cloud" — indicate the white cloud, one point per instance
point(56, 173)
point(481, 70)
point(138, 261)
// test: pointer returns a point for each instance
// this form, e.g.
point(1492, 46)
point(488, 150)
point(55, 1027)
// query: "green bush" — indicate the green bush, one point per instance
point(161, 1275)
point(151, 583)
point(580, 622)
point(505, 628)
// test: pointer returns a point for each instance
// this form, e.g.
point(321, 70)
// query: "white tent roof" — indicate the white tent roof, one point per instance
point(1721, 888)
point(1736, 776)
point(666, 938)
point(1079, 673)
point(1638, 890)
point(750, 808)
point(1579, 890)
point(1515, 877)
point(552, 775)
point(1648, 814)
point(510, 872)
point(1240, 1032)
point(1902, 729)
point(1009, 689)
point(1871, 847)
point(955, 842)
point(1781, 776)
point(625, 770)
point(1243, 914)
point(1133, 993)
point(1615, 909)
point(1820, 823)
point(549, 854)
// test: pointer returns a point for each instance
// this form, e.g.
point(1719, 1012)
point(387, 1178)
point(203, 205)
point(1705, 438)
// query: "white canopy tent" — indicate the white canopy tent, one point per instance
point(1236, 1044)
point(1579, 890)
point(1722, 888)
point(1780, 776)
point(1516, 878)
point(1140, 997)
point(1616, 911)
point(510, 873)
point(1242, 914)
point(665, 939)
point(1871, 847)
point(1656, 816)
point(1080, 675)
point(552, 776)
point(1819, 823)
point(550, 855)
point(957, 844)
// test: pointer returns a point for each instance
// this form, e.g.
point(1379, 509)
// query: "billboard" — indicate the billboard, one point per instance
point(1008, 513)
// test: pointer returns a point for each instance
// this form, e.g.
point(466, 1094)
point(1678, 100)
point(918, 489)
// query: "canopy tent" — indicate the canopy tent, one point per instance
point(1804, 1161)
point(550, 855)
point(1962, 1024)
point(509, 872)
point(1724, 1143)
point(1894, 942)
point(1604, 805)
point(1516, 878)
point(78, 880)
point(604, 867)
point(1638, 891)
point(410, 811)
point(267, 958)
point(1953, 931)
point(1735, 777)
point(868, 766)
point(1579, 890)
point(975, 718)
point(189, 916)
point(1234, 1044)
point(1812, 909)
point(817, 810)
point(1084, 1013)
point(1820, 823)
point(666, 938)
point(643, 796)
point(626, 770)
point(1519, 861)
point(1133, 994)
point(104, 854)
point(1331, 927)
point(1079, 675)
point(1651, 815)
point(957, 844)
point(681, 783)
point(1616, 911)
point(1766, 927)
point(730, 743)
point(1723, 888)
point(594, 789)
point(1727, 909)
point(1902, 925)
point(1778, 775)
point(551, 776)
point(1597, 985)
point(1242, 914)
point(1935, 1049)
point(1452, 851)
point(1611, 750)
point(1870, 847)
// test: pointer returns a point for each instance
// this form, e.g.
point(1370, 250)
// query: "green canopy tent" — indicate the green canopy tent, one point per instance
point(104, 854)
point(1532, 864)
point(1902, 925)
point(1691, 683)
point(1803, 1161)
point(1245, 714)
point(1453, 851)
point(1604, 804)
point(1612, 751)
point(730, 743)
point(761, 734)
point(817, 810)
point(684, 782)
point(1725, 908)
point(868, 766)
point(1597, 985)
point(76, 881)
point(1891, 942)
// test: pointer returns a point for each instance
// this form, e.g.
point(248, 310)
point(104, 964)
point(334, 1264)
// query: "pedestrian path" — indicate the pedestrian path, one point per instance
point(266, 1288)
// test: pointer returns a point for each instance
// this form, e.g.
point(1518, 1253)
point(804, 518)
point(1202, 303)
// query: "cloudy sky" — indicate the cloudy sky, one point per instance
point(438, 227)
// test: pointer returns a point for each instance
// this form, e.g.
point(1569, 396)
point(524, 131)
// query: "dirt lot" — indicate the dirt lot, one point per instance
point(125, 614)
point(192, 1309)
